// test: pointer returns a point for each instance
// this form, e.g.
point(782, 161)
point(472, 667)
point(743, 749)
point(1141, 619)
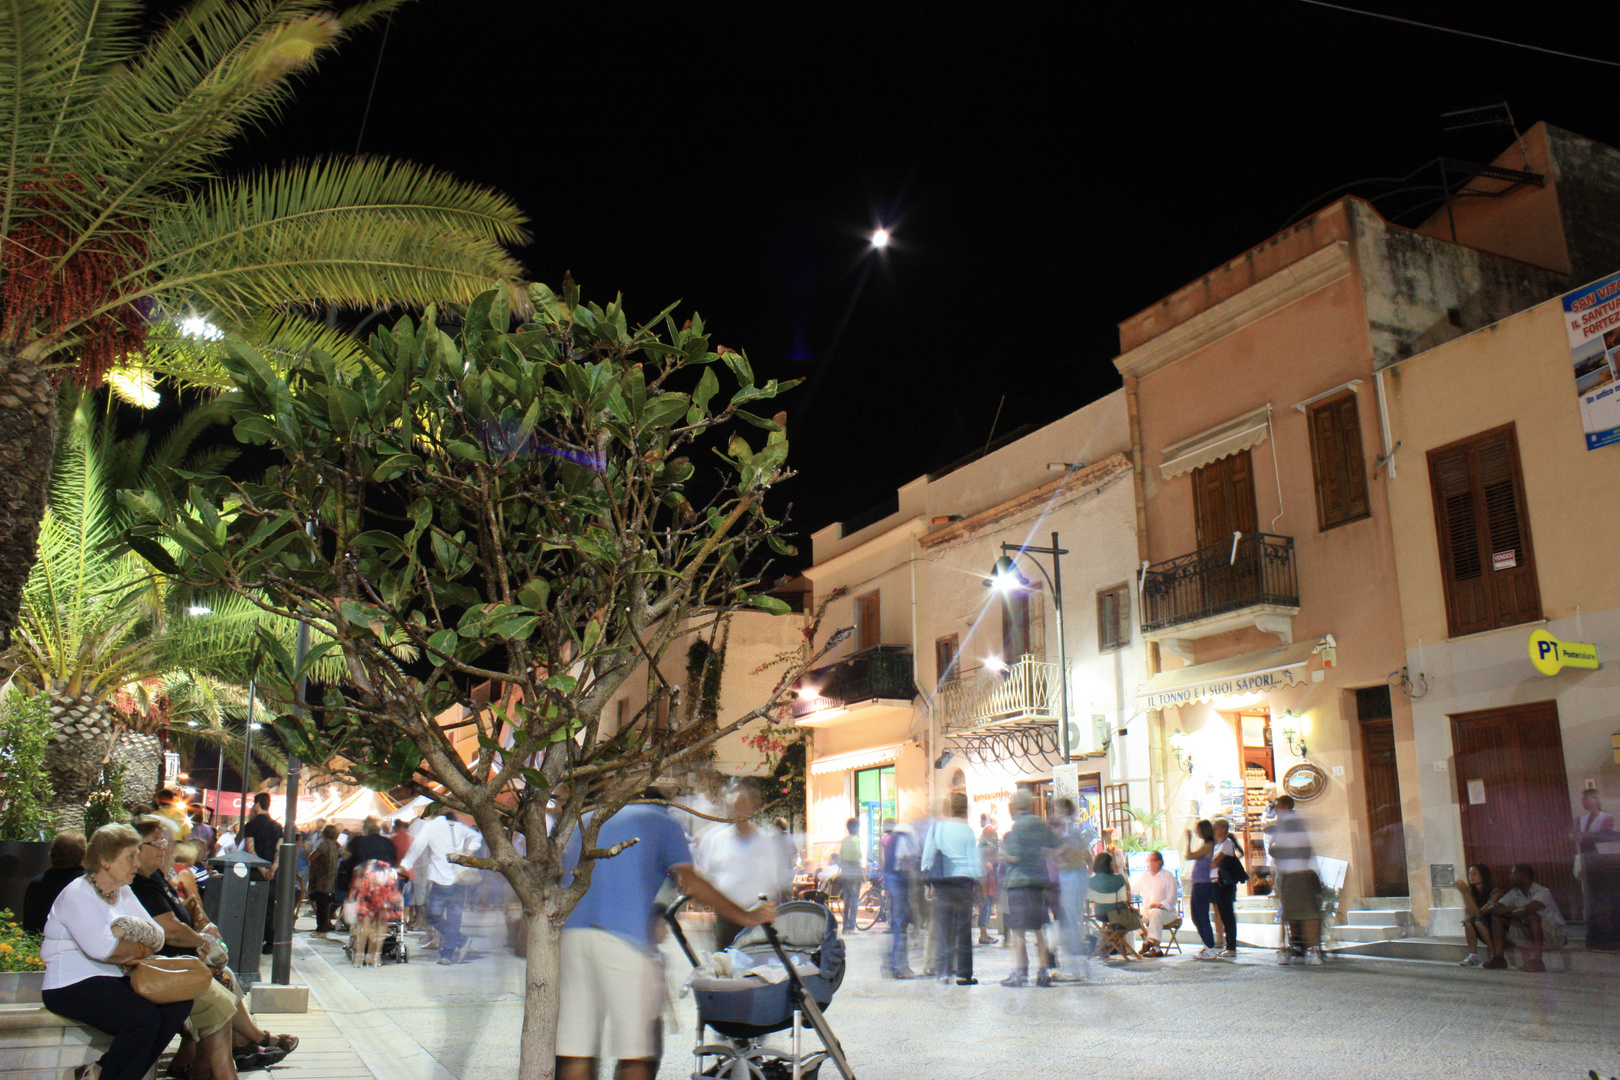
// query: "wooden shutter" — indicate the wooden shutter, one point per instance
point(1338, 462)
point(945, 650)
point(868, 621)
point(1113, 617)
point(1486, 562)
point(1223, 499)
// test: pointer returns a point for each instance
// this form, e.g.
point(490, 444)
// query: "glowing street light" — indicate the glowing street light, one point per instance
point(198, 327)
point(1005, 577)
point(880, 238)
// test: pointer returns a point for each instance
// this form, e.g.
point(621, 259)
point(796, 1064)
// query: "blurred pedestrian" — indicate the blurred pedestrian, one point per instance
point(429, 859)
point(1025, 851)
point(744, 861)
point(900, 854)
point(1203, 887)
point(1073, 868)
point(1299, 888)
point(986, 897)
point(67, 863)
point(851, 872)
point(1228, 854)
point(202, 833)
point(959, 875)
point(402, 846)
point(323, 868)
point(262, 835)
point(1595, 865)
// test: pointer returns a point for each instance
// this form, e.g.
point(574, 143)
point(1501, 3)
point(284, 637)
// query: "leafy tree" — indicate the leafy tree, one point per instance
point(517, 505)
point(25, 790)
point(114, 219)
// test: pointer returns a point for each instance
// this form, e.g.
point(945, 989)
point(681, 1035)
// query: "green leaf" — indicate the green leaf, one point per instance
point(707, 387)
point(770, 604)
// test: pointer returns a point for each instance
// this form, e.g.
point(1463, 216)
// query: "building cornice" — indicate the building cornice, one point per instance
point(1315, 271)
point(1068, 486)
point(903, 531)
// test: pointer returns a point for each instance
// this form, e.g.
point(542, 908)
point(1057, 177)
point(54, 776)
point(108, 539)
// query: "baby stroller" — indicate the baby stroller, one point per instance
point(804, 939)
point(374, 892)
point(394, 947)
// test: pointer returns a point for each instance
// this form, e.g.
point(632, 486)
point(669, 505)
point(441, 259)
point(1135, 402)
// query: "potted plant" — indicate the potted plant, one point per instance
point(25, 844)
point(22, 972)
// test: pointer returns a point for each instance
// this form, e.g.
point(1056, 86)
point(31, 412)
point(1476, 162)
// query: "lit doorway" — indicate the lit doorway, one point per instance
point(1258, 764)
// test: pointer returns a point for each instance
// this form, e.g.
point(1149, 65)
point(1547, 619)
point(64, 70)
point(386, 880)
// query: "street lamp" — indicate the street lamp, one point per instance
point(880, 238)
point(1293, 733)
point(1005, 577)
point(1178, 750)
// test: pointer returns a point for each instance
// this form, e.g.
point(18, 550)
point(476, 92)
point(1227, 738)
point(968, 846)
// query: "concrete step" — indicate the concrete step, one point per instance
point(1400, 917)
point(1571, 958)
point(1368, 933)
point(1249, 916)
point(1256, 903)
point(1385, 903)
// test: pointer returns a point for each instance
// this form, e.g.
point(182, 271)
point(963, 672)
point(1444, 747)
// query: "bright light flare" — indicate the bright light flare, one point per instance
point(196, 610)
point(198, 327)
point(880, 239)
point(995, 663)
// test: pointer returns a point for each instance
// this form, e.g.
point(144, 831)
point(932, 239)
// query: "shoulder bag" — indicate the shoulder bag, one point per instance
point(165, 979)
point(1231, 868)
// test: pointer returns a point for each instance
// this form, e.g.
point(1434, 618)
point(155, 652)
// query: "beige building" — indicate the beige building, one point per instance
point(947, 685)
point(1502, 519)
point(1264, 462)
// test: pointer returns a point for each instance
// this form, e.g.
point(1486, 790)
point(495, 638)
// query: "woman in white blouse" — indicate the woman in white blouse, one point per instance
point(84, 979)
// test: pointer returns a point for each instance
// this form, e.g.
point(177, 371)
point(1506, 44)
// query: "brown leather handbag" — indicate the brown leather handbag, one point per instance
point(165, 979)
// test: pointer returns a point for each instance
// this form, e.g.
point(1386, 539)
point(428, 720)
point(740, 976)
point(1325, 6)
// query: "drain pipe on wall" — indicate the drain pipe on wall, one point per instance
point(1387, 460)
point(1156, 755)
point(1276, 470)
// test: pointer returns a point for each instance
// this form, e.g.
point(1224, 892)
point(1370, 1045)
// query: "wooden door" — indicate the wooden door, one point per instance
point(868, 622)
point(1386, 830)
point(1223, 504)
point(1514, 795)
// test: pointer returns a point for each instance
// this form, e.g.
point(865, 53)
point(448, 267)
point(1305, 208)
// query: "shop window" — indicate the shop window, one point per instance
point(1340, 465)
point(1487, 565)
point(868, 622)
point(1114, 618)
point(945, 650)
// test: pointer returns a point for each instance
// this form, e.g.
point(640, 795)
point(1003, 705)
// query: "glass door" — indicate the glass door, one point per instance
point(875, 799)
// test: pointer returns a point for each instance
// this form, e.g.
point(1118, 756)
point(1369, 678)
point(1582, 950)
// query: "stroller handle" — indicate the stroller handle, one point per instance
point(672, 912)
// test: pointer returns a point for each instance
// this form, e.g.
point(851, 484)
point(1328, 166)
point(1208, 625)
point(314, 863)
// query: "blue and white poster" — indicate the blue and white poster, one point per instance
point(1592, 319)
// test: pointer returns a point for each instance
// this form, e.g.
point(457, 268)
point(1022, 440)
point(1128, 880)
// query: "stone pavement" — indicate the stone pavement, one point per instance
point(1357, 1018)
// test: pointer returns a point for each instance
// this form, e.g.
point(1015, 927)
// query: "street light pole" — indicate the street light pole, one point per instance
point(287, 872)
point(1004, 566)
point(247, 757)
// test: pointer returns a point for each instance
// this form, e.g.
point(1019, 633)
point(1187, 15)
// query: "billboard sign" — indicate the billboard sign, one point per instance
point(1592, 320)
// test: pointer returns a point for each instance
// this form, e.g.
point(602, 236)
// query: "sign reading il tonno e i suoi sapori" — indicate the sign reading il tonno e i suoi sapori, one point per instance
point(1592, 320)
point(1550, 655)
point(1260, 682)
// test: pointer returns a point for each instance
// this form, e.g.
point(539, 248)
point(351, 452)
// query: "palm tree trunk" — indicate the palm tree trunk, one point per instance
point(27, 441)
point(142, 758)
point(81, 730)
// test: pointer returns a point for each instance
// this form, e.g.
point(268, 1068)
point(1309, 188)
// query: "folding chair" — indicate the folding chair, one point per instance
point(1169, 941)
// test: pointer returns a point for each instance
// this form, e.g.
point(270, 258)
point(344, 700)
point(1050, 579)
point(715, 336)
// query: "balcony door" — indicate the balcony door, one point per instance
point(1223, 504)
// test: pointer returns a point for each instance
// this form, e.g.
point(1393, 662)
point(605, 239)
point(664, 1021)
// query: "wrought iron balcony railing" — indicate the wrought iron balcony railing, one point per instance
point(1258, 571)
point(883, 671)
point(1027, 691)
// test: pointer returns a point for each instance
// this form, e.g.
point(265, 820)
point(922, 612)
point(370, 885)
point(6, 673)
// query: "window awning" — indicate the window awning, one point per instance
point(1252, 673)
point(1222, 440)
point(859, 759)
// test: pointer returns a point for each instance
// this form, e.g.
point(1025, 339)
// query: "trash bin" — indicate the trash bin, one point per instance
point(236, 900)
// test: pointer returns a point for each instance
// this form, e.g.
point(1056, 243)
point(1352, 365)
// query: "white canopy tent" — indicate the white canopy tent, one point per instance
point(361, 805)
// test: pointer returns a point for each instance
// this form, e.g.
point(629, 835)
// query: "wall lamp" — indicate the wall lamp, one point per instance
point(1291, 731)
point(1178, 750)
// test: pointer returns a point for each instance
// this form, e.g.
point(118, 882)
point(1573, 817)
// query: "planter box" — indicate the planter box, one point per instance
point(20, 862)
point(20, 987)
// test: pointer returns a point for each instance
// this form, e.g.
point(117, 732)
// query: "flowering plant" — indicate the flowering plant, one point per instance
point(19, 951)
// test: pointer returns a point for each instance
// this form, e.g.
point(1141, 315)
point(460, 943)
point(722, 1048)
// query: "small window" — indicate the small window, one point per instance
point(868, 622)
point(1340, 466)
point(945, 650)
point(1014, 625)
point(1114, 618)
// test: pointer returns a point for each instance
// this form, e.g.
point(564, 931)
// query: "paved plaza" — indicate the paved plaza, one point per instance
point(1357, 1018)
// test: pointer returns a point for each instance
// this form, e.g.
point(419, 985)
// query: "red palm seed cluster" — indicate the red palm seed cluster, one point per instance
point(43, 295)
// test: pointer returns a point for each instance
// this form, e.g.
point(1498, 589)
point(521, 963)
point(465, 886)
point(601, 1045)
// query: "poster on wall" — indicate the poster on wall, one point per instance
point(1592, 320)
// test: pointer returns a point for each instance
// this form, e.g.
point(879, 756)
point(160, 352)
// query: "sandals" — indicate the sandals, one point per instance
point(270, 1052)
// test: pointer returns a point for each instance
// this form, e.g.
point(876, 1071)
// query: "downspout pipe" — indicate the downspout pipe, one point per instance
point(1133, 414)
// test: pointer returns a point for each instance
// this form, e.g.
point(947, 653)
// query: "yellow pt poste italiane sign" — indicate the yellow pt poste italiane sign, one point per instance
point(1549, 655)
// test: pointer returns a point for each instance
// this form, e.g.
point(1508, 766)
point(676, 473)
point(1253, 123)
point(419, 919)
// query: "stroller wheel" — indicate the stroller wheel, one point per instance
point(404, 953)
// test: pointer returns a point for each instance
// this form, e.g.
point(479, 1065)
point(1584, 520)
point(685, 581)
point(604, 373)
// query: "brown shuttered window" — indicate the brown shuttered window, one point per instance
point(1223, 499)
point(1341, 468)
point(1114, 618)
point(1487, 563)
point(868, 622)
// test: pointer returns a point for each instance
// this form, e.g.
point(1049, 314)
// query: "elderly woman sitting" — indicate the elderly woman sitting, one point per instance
point(83, 952)
point(219, 1019)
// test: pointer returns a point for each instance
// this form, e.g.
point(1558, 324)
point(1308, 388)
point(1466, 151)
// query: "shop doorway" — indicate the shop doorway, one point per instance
point(1246, 807)
point(1513, 794)
point(1386, 829)
point(876, 797)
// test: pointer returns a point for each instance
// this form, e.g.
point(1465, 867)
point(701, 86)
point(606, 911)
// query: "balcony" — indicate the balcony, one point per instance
point(1222, 588)
point(879, 678)
point(1028, 692)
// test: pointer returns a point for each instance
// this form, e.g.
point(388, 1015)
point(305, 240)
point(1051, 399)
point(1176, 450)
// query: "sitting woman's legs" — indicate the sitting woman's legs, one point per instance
point(140, 1029)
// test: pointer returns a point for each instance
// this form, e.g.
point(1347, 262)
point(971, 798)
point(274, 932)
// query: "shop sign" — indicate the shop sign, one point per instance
point(1592, 318)
point(1550, 655)
point(1263, 682)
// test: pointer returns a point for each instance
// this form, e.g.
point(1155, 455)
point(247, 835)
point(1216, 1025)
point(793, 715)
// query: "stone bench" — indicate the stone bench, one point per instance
point(37, 1044)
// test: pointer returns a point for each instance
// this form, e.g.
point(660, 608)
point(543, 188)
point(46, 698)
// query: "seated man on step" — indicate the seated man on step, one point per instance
point(1527, 916)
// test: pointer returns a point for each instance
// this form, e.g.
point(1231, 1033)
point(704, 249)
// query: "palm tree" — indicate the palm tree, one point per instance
point(114, 220)
point(121, 653)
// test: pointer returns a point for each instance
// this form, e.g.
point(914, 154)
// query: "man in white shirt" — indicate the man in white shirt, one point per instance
point(1157, 887)
point(744, 861)
point(440, 838)
point(1528, 916)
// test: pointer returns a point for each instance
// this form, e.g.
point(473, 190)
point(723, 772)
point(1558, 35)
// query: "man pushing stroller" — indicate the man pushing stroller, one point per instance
point(610, 966)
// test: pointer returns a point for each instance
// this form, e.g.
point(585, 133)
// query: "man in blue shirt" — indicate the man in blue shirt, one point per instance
point(611, 969)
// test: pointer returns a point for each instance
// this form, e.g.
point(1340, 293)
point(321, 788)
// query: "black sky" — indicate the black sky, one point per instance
point(1048, 169)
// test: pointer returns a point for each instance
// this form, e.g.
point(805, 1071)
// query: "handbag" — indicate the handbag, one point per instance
point(166, 979)
point(1126, 918)
point(1232, 871)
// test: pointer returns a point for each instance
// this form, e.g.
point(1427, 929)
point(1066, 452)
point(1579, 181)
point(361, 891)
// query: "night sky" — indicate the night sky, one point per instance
point(1048, 169)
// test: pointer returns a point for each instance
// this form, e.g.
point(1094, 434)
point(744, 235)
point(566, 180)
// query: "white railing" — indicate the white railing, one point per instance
point(1028, 690)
